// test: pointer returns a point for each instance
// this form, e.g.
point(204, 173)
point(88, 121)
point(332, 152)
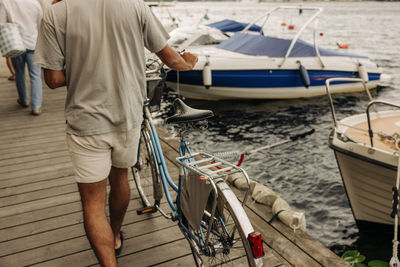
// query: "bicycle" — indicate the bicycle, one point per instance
point(208, 213)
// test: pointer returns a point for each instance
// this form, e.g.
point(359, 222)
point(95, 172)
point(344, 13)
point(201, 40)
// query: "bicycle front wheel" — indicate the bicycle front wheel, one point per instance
point(228, 244)
point(146, 174)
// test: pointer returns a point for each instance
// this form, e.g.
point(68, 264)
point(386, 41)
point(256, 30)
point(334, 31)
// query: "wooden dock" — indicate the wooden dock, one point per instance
point(40, 210)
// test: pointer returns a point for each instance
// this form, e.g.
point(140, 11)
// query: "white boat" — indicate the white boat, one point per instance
point(367, 153)
point(258, 66)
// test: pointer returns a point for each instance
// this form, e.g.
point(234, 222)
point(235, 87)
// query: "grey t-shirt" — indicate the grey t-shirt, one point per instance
point(100, 44)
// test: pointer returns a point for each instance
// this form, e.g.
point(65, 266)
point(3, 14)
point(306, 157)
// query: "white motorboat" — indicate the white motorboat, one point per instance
point(366, 147)
point(258, 66)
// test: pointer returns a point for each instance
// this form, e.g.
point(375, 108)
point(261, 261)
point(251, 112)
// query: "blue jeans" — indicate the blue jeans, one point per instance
point(34, 75)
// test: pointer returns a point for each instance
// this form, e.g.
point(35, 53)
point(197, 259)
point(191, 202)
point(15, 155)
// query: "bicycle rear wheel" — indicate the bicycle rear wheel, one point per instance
point(228, 244)
point(145, 173)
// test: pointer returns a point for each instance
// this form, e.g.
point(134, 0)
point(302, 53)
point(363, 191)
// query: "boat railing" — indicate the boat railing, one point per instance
point(314, 17)
point(372, 103)
point(331, 80)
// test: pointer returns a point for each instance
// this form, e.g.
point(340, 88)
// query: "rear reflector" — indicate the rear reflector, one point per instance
point(255, 240)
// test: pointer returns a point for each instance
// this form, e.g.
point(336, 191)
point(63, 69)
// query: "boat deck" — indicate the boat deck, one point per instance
point(40, 210)
point(386, 125)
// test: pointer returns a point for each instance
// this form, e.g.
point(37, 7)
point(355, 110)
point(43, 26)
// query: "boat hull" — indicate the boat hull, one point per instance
point(368, 178)
point(262, 84)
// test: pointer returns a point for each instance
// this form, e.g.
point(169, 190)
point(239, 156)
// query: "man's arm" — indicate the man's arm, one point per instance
point(54, 78)
point(175, 61)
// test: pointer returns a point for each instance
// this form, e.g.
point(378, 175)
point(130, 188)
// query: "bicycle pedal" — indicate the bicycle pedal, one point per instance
point(145, 210)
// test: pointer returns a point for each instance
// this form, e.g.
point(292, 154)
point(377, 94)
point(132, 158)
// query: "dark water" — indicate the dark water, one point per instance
point(304, 172)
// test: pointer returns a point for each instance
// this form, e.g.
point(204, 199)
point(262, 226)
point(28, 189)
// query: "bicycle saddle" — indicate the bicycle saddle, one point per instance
point(184, 113)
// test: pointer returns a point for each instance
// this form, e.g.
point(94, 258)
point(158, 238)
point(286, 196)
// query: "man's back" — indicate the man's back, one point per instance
point(102, 43)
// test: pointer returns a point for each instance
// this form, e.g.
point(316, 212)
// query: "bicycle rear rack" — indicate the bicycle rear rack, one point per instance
point(212, 167)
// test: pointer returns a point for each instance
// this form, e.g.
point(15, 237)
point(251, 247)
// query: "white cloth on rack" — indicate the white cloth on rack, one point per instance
point(27, 14)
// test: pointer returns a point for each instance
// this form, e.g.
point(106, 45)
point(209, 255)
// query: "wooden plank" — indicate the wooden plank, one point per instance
point(259, 216)
point(50, 218)
point(23, 219)
point(32, 140)
point(39, 204)
point(59, 163)
point(151, 234)
point(27, 129)
point(184, 261)
point(17, 155)
point(72, 227)
point(26, 188)
point(21, 146)
point(46, 175)
point(43, 162)
point(170, 246)
point(36, 195)
point(44, 154)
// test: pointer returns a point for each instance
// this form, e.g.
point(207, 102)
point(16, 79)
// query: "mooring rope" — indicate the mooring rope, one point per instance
point(235, 154)
point(394, 138)
point(394, 261)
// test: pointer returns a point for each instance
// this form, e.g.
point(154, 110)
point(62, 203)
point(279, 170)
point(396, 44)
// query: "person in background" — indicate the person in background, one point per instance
point(11, 68)
point(27, 14)
point(97, 49)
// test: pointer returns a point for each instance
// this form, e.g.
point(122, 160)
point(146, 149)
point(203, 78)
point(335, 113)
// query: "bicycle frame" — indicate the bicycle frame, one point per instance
point(212, 235)
point(157, 151)
point(166, 177)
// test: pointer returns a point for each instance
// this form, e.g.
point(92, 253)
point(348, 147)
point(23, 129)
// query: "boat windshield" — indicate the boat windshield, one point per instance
point(196, 36)
point(228, 25)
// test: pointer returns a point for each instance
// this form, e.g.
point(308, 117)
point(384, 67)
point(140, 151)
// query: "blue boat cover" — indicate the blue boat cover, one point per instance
point(228, 25)
point(260, 45)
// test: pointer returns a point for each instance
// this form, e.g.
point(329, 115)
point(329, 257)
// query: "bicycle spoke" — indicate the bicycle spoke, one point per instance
point(225, 245)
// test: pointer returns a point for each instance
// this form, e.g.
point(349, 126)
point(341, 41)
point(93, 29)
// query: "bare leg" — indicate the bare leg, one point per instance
point(11, 68)
point(97, 227)
point(118, 200)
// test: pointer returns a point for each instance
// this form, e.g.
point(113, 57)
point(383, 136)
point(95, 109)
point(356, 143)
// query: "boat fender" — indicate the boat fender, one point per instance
point(207, 74)
point(362, 72)
point(293, 219)
point(239, 181)
point(263, 195)
point(305, 78)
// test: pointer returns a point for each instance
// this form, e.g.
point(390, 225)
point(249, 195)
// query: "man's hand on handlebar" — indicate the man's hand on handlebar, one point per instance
point(175, 61)
point(190, 59)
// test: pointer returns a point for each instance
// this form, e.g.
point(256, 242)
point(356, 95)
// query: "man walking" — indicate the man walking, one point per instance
point(96, 48)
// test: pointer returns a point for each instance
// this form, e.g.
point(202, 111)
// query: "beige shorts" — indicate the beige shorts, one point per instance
point(92, 156)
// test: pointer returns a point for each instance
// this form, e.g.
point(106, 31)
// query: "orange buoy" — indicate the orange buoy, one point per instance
point(343, 46)
point(291, 27)
point(283, 24)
